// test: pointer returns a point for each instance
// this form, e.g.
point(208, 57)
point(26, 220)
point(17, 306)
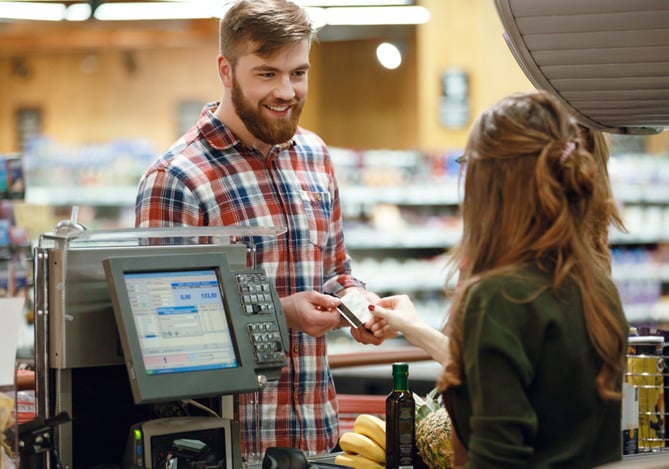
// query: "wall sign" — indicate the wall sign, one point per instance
point(454, 99)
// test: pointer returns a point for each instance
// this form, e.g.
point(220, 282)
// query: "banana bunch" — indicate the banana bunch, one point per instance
point(365, 446)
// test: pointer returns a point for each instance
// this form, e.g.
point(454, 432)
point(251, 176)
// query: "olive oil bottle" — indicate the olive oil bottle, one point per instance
point(400, 422)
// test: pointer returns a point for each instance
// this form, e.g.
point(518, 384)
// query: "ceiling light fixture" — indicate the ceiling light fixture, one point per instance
point(389, 55)
point(352, 3)
point(32, 11)
point(123, 11)
point(78, 12)
point(398, 13)
point(358, 16)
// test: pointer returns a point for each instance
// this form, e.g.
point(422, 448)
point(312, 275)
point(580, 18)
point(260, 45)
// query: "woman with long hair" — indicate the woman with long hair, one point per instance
point(536, 335)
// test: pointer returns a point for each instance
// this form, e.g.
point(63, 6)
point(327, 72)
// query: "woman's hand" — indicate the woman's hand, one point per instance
point(397, 312)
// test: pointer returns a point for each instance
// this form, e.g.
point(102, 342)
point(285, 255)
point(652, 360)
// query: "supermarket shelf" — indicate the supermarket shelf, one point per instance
point(638, 236)
point(123, 196)
point(447, 192)
point(411, 238)
point(404, 257)
point(403, 283)
point(642, 192)
point(444, 193)
point(644, 313)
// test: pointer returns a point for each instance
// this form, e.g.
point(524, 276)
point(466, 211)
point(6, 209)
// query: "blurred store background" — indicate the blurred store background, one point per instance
point(85, 105)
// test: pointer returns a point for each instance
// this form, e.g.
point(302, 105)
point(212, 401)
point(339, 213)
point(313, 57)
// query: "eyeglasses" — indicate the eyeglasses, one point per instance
point(462, 159)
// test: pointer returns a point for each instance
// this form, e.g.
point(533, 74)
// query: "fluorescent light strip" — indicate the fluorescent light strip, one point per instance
point(352, 16)
point(194, 9)
point(352, 3)
point(78, 12)
point(152, 11)
point(32, 11)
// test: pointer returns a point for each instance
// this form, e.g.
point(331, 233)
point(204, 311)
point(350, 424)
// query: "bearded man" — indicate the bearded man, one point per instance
point(247, 163)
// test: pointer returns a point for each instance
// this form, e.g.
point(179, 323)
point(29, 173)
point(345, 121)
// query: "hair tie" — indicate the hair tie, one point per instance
point(568, 149)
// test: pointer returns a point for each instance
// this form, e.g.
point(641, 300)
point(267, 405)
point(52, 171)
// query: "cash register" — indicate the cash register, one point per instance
point(192, 326)
point(145, 337)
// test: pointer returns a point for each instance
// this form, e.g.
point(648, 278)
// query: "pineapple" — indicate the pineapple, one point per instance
point(433, 432)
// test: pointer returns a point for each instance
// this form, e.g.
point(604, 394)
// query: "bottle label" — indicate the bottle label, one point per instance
point(400, 422)
point(400, 432)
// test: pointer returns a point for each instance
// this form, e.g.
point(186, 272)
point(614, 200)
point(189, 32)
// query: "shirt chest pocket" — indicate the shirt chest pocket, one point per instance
point(317, 214)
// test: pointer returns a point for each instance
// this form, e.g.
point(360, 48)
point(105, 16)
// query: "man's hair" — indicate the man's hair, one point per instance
point(262, 27)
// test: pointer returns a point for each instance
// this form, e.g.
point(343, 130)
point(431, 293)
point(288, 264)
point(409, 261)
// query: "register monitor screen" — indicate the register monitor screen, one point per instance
point(190, 327)
point(180, 320)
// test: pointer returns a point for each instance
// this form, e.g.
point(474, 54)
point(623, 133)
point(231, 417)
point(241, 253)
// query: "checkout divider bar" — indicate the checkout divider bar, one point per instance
point(378, 357)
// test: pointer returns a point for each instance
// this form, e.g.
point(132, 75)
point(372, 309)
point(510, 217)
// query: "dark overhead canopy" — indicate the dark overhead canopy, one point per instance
point(607, 59)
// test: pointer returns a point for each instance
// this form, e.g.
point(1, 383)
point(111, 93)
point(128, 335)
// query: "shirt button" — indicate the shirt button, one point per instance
point(318, 197)
point(296, 349)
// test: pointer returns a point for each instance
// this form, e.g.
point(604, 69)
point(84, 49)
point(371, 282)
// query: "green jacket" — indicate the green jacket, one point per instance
point(529, 398)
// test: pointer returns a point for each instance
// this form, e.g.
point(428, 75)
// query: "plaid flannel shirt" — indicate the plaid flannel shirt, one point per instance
point(210, 178)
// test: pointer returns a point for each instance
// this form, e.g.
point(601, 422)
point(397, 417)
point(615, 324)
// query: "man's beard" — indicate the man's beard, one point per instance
point(270, 131)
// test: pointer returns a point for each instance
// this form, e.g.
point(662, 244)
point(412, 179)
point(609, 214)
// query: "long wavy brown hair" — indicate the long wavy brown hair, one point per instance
point(607, 214)
point(531, 192)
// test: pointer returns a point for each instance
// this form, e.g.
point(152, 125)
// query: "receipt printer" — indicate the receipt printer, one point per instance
point(184, 442)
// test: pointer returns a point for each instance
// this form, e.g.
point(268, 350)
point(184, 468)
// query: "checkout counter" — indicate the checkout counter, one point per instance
point(121, 315)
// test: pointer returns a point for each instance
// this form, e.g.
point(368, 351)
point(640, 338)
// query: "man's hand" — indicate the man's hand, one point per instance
point(311, 312)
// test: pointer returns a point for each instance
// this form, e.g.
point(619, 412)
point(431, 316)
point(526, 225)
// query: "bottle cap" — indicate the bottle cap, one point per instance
point(401, 368)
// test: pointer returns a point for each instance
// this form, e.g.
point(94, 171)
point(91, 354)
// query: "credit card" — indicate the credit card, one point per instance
point(354, 308)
